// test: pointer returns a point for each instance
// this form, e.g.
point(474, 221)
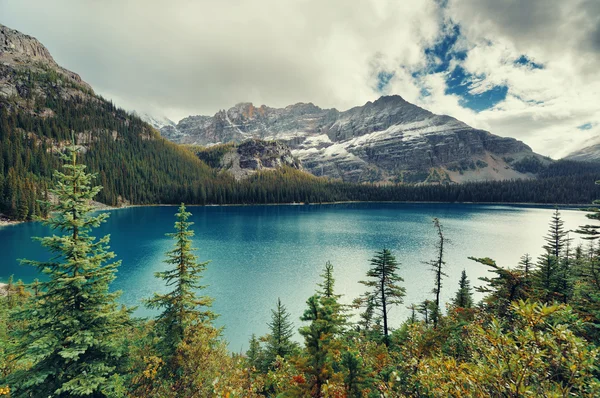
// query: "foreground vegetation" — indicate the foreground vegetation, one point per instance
point(534, 334)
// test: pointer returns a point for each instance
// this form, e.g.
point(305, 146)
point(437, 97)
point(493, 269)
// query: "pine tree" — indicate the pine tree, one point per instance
point(181, 308)
point(385, 290)
point(71, 336)
point(279, 341)
point(437, 266)
point(464, 296)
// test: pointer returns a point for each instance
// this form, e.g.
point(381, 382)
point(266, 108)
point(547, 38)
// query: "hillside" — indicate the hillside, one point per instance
point(43, 106)
point(389, 140)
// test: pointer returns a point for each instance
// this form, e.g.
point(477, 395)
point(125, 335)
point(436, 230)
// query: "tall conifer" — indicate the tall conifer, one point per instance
point(181, 307)
point(279, 342)
point(72, 328)
point(385, 289)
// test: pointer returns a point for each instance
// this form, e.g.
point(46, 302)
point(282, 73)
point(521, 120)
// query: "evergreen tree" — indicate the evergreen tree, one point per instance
point(526, 267)
point(71, 331)
point(255, 353)
point(385, 290)
point(279, 341)
point(426, 308)
point(557, 237)
point(181, 307)
point(437, 266)
point(320, 340)
point(327, 292)
point(356, 378)
point(505, 287)
point(546, 276)
point(464, 296)
point(328, 281)
point(413, 313)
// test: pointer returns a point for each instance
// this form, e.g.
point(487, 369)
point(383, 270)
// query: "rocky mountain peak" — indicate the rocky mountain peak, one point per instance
point(20, 52)
point(387, 140)
point(16, 43)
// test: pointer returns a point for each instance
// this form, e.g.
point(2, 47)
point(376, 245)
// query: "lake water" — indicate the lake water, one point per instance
point(260, 253)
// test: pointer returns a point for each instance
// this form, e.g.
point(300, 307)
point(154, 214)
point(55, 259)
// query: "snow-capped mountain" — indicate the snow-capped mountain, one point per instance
point(590, 153)
point(389, 139)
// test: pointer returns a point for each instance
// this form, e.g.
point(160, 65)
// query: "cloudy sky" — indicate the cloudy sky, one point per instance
point(529, 69)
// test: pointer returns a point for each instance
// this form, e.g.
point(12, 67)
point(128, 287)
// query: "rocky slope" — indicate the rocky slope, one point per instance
point(247, 158)
point(388, 140)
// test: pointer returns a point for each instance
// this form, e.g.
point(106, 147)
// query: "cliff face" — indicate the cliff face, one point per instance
point(387, 140)
point(249, 157)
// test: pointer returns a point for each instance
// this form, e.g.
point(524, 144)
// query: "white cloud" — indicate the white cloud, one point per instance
point(182, 57)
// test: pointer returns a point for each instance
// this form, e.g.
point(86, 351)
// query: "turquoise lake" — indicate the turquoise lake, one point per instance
point(260, 253)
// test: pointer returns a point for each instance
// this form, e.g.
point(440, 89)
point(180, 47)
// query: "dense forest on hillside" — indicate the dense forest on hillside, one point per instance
point(135, 165)
point(535, 333)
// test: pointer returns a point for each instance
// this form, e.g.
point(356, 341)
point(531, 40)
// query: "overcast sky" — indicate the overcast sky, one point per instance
point(529, 69)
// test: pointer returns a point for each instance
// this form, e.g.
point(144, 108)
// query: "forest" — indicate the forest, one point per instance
point(137, 166)
point(535, 333)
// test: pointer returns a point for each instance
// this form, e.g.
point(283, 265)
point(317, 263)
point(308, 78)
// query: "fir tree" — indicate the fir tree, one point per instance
point(279, 341)
point(557, 237)
point(546, 276)
point(385, 290)
point(464, 296)
point(181, 307)
point(72, 329)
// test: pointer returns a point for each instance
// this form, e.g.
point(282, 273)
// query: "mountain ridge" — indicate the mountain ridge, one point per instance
point(386, 140)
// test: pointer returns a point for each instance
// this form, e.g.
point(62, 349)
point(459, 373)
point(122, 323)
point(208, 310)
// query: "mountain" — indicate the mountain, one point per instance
point(44, 106)
point(590, 153)
point(388, 140)
point(156, 122)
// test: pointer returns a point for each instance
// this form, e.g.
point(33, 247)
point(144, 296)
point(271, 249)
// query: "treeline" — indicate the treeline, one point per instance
point(135, 165)
point(534, 333)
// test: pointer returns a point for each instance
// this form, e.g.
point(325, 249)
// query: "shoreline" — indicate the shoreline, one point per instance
point(4, 222)
point(584, 205)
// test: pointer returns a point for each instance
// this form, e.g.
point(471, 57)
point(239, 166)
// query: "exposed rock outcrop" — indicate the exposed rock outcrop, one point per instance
point(22, 55)
point(250, 156)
